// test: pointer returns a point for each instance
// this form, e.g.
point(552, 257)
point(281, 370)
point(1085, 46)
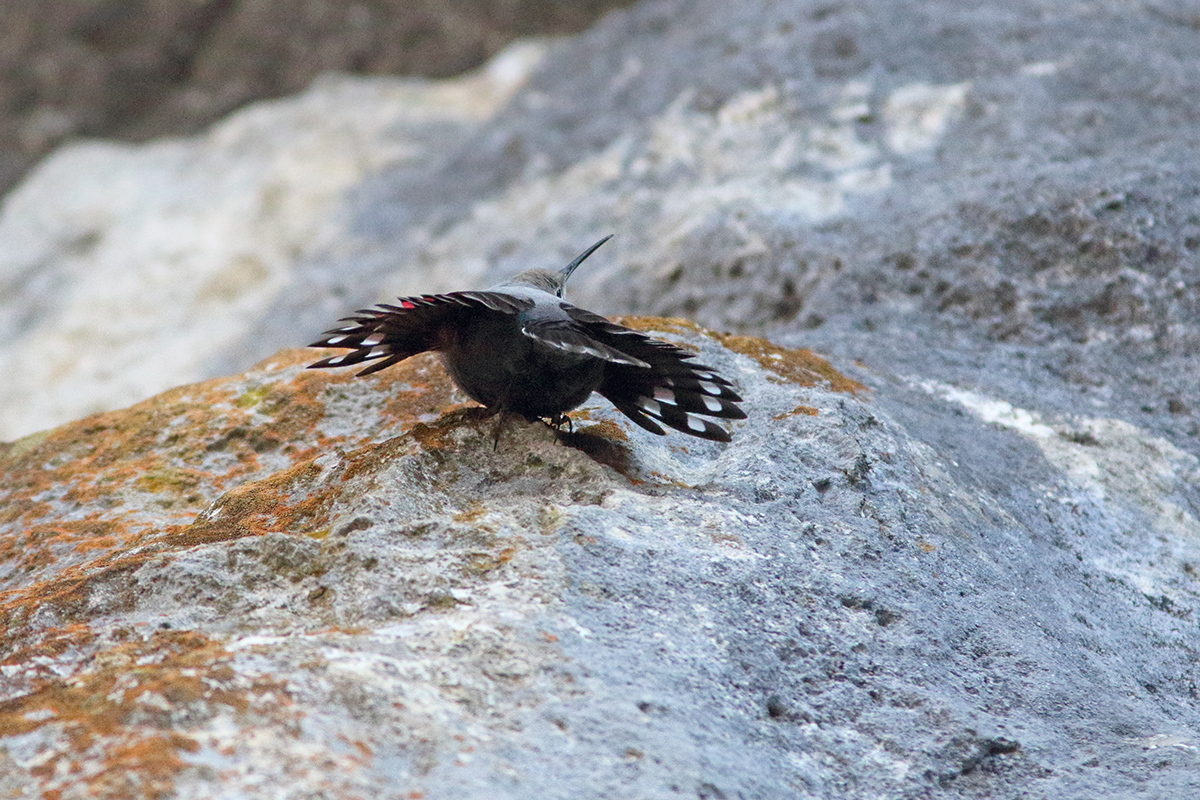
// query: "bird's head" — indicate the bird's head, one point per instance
point(553, 282)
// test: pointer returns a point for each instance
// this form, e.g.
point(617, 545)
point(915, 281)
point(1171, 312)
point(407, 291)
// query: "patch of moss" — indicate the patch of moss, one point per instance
point(252, 397)
point(168, 479)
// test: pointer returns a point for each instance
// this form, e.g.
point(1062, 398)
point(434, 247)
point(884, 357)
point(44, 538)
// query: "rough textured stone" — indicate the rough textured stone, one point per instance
point(308, 579)
point(977, 579)
point(318, 580)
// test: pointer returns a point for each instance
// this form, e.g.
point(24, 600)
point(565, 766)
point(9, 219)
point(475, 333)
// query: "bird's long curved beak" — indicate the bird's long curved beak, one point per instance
point(569, 268)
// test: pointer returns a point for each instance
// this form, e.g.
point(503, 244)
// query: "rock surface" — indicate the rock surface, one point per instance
point(976, 579)
point(310, 580)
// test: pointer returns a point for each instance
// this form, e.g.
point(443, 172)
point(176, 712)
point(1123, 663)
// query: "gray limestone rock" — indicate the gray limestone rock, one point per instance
point(976, 579)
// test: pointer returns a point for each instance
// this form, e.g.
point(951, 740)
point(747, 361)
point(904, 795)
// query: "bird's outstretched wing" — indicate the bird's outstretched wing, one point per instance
point(670, 388)
point(564, 333)
point(387, 334)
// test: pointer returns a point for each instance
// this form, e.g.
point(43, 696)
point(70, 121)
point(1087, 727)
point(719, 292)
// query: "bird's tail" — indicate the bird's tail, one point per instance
point(673, 391)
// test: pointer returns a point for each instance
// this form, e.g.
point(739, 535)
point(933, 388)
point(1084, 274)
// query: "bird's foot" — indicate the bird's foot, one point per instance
point(501, 423)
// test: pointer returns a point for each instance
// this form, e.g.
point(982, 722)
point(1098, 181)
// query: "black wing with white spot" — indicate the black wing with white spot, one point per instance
point(567, 335)
point(671, 388)
point(387, 334)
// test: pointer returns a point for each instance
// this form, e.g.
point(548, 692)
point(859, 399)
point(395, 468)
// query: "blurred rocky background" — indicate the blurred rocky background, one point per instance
point(931, 172)
point(145, 68)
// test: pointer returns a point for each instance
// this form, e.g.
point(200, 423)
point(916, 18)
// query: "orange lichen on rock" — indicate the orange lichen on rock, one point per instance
point(86, 505)
point(606, 428)
point(294, 500)
point(801, 367)
point(428, 391)
point(807, 411)
point(676, 325)
point(89, 501)
point(129, 711)
point(143, 471)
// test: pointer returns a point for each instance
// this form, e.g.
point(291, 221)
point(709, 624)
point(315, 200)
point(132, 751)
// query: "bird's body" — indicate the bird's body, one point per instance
point(499, 367)
point(518, 347)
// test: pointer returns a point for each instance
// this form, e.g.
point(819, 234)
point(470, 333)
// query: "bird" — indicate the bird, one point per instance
point(519, 348)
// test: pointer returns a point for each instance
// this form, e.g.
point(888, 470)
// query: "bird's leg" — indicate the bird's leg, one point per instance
point(559, 420)
point(501, 418)
point(500, 409)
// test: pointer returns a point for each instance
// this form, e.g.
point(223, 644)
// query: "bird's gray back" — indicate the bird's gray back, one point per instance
point(538, 285)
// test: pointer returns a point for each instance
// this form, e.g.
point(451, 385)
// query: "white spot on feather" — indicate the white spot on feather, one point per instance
point(665, 395)
point(650, 406)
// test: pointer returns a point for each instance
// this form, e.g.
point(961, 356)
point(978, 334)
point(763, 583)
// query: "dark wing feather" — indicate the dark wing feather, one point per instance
point(671, 389)
point(567, 335)
point(387, 334)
